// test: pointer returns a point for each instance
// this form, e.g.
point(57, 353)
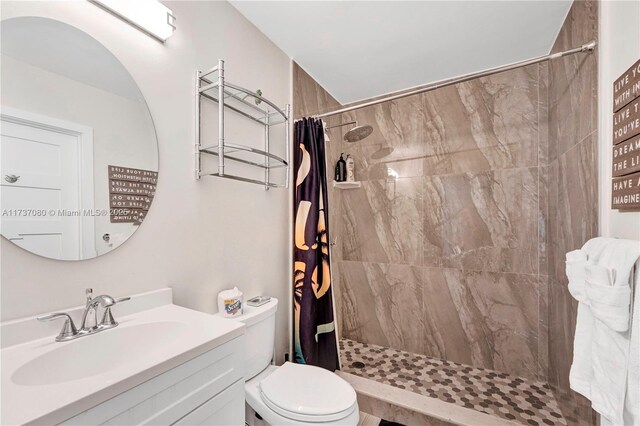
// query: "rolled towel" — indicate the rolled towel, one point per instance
point(609, 303)
point(576, 261)
point(576, 256)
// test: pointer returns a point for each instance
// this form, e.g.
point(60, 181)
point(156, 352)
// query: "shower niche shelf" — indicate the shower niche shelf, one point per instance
point(346, 185)
point(247, 104)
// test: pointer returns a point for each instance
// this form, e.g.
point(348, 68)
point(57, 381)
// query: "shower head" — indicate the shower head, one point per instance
point(384, 151)
point(357, 133)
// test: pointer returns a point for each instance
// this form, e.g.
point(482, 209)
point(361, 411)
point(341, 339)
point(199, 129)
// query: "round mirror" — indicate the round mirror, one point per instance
point(78, 154)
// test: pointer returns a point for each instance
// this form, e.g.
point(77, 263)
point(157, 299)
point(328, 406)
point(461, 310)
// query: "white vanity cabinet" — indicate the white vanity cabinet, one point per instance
point(207, 390)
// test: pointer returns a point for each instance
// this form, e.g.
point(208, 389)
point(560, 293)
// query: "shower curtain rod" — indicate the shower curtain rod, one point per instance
point(588, 47)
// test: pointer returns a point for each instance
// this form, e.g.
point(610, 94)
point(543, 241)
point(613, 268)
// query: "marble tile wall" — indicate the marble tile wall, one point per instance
point(439, 251)
point(440, 245)
point(571, 174)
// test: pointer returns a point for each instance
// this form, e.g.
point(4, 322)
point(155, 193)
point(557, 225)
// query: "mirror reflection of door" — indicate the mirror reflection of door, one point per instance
point(47, 168)
point(69, 110)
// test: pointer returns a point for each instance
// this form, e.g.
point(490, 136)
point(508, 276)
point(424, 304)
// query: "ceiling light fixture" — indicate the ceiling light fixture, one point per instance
point(150, 16)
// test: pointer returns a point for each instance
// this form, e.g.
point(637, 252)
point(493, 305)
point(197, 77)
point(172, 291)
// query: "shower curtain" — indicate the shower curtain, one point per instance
point(314, 326)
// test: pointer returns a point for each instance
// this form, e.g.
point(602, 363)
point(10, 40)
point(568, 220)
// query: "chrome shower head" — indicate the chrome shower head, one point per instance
point(358, 133)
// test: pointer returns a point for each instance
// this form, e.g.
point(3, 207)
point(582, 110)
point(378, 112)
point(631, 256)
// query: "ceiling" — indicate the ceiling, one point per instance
point(361, 49)
point(67, 51)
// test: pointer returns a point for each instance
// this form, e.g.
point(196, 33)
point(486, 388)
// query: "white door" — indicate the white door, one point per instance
point(40, 189)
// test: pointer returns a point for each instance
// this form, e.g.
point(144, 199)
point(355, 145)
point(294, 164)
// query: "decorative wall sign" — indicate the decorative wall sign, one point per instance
point(135, 216)
point(133, 175)
point(626, 157)
point(626, 192)
point(626, 122)
point(625, 168)
point(627, 87)
point(130, 193)
point(118, 201)
point(133, 188)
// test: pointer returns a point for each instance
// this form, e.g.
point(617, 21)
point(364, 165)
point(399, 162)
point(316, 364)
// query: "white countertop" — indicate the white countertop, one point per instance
point(28, 399)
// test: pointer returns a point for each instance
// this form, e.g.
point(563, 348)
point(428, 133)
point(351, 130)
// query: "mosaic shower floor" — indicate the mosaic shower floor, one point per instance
point(491, 392)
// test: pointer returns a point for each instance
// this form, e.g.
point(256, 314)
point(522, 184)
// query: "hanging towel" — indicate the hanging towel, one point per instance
point(609, 350)
point(602, 343)
point(609, 303)
point(631, 414)
point(575, 268)
point(581, 371)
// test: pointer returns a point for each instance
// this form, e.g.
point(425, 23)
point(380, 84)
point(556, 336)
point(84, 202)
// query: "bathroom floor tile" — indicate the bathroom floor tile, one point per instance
point(509, 397)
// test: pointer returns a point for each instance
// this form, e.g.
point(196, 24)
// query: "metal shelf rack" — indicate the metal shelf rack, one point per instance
point(261, 111)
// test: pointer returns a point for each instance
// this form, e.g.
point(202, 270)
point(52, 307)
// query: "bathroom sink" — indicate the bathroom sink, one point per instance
point(67, 378)
point(97, 354)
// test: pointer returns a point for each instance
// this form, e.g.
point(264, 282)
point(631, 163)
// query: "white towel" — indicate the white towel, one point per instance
point(609, 349)
point(609, 303)
point(575, 269)
point(631, 414)
point(602, 344)
point(581, 371)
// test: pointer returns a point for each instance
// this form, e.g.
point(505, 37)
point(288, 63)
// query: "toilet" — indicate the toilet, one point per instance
point(292, 394)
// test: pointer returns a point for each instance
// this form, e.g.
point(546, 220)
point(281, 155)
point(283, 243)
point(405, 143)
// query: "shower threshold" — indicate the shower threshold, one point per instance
point(442, 391)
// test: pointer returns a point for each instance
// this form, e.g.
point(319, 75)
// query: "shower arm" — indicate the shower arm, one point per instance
point(585, 48)
point(342, 125)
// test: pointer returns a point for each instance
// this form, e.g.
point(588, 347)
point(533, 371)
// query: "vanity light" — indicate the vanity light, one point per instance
point(150, 16)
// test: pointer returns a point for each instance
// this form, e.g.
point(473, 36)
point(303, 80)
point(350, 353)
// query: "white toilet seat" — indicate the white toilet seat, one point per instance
point(345, 412)
point(306, 418)
point(326, 397)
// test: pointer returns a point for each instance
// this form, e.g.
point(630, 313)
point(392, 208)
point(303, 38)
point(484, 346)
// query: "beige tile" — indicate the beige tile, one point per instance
point(577, 209)
point(486, 221)
point(562, 322)
point(484, 124)
point(572, 186)
point(382, 222)
point(543, 328)
point(484, 319)
point(573, 81)
point(543, 224)
point(382, 304)
point(572, 191)
point(543, 114)
point(395, 143)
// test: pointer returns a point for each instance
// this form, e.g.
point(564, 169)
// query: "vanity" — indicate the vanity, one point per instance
point(162, 364)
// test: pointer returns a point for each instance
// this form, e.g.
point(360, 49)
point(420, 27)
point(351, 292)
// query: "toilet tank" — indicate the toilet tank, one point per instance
point(259, 338)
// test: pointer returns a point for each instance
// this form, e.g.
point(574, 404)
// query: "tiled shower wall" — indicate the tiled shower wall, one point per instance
point(439, 252)
point(573, 192)
point(442, 246)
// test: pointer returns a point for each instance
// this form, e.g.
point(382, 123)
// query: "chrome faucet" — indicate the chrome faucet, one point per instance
point(89, 324)
point(90, 315)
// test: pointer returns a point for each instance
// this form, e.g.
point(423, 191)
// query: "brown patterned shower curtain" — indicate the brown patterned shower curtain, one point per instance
point(314, 325)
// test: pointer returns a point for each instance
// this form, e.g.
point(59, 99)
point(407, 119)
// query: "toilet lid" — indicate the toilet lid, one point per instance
point(308, 393)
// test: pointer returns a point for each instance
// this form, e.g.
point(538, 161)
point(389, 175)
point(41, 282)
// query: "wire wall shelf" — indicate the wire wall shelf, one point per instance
point(248, 104)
